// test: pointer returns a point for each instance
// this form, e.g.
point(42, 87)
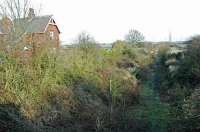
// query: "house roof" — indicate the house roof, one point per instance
point(37, 24)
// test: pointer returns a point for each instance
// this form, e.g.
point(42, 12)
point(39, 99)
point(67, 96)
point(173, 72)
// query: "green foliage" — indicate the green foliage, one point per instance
point(72, 84)
point(92, 89)
point(33, 85)
point(179, 86)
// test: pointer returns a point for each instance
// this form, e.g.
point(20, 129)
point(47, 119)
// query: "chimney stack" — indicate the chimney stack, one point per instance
point(31, 13)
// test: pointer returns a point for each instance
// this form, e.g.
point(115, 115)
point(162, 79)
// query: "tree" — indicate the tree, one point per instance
point(14, 15)
point(15, 9)
point(85, 38)
point(195, 39)
point(134, 36)
point(86, 43)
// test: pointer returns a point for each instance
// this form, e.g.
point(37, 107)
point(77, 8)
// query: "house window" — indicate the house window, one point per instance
point(52, 35)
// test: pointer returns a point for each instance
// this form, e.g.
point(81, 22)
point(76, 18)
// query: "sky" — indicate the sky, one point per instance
point(109, 20)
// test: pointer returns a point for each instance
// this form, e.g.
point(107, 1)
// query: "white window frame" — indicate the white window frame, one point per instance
point(52, 35)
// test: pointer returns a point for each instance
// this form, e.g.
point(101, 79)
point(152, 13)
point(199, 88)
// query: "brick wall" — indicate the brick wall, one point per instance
point(53, 28)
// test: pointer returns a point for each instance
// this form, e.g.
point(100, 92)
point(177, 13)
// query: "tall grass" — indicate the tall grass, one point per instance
point(55, 86)
point(32, 84)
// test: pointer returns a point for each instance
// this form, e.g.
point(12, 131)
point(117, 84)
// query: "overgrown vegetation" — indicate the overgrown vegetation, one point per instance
point(177, 82)
point(88, 88)
point(135, 86)
point(59, 90)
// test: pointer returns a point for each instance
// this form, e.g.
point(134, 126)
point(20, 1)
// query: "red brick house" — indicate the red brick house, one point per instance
point(36, 30)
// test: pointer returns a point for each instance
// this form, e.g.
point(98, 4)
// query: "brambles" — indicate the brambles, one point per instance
point(127, 88)
point(54, 87)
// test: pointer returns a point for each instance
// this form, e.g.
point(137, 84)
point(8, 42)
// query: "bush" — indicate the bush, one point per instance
point(179, 86)
point(61, 89)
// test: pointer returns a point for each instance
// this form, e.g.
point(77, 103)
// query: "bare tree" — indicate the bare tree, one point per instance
point(85, 38)
point(134, 36)
point(14, 18)
point(13, 11)
point(15, 8)
point(86, 43)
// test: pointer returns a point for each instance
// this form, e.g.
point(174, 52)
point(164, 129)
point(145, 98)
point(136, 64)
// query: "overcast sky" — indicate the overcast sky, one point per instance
point(109, 20)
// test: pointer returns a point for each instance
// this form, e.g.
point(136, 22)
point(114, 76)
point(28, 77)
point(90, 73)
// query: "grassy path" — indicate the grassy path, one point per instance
point(152, 109)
